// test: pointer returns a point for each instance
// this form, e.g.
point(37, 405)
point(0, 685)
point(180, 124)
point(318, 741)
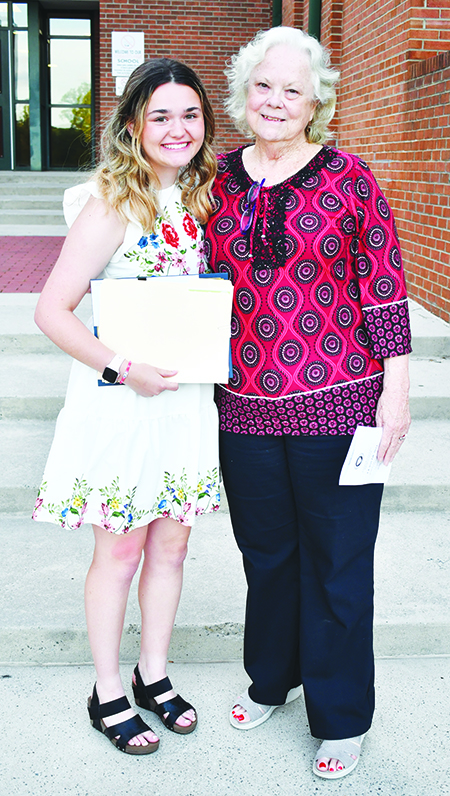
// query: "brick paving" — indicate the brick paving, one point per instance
point(25, 262)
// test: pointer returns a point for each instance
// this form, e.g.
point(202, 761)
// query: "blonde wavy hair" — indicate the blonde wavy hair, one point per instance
point(126, 180)
point(323, 78)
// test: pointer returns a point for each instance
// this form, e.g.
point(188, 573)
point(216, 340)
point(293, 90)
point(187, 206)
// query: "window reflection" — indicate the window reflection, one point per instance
point(70, 27)
point(22, 135)
point(70, 93)
point(70, 137)
point(20, 15)
point(21, 65)
point(2, 148)
point(3, 15)
point(70, 68)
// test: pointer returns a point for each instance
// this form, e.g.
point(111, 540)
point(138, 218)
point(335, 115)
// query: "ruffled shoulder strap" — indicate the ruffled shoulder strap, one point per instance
point(75, 199)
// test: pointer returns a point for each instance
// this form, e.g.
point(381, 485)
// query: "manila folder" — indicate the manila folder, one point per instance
point(179, 323)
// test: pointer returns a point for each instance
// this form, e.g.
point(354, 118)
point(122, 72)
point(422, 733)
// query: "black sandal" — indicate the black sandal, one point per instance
point(144, 696)
point(121, 733)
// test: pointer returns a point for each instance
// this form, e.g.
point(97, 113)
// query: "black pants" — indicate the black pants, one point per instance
point(307, 545)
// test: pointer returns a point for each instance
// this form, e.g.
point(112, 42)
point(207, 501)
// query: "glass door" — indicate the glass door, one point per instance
point(21, 85)
point(70, 93)
point(14, 86)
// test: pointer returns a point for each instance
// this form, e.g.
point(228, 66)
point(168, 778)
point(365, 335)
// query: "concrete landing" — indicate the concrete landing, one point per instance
point(49, 748)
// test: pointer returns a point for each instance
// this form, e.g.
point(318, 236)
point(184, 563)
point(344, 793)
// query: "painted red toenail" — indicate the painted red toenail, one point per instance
point(322, 765)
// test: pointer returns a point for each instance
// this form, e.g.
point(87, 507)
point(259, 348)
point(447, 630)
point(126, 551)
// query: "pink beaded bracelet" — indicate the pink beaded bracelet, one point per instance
point(124, 374)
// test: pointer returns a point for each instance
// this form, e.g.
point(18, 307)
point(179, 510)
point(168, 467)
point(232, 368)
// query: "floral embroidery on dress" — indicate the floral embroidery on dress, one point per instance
point(189, 227)
point(118, 514)
point(68, 513)
point(170, 235)
point(162, 251)
point(178, 498)
point(39, 501)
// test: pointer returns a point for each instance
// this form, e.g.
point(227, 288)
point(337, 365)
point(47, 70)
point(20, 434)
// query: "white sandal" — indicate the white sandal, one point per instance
point(346, 750)
point(258, 713)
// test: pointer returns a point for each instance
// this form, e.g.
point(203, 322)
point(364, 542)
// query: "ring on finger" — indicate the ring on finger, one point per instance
point(403, 437)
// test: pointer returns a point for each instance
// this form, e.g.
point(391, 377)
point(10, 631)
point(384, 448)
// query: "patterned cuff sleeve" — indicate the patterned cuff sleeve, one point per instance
point(389, 329)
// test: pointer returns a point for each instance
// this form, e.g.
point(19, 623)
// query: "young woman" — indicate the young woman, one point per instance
point(139, 461)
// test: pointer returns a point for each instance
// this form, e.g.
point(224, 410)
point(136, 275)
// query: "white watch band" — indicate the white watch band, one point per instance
point(112, 371)
point(116, 362)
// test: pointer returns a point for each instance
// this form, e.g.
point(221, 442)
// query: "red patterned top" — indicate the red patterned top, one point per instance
point(320, 297)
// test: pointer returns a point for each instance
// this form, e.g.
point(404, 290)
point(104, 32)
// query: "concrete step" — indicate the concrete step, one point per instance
point(34, 199)
point(412, 594)
point(53, 177)
point(430, 388)
point(18, 331)
point(33, 216)
point(420, 475)
point(36, 385)
point(32, 230)
point(30, 202)
point(34, 188)
point(431, 335)
point(419, 481)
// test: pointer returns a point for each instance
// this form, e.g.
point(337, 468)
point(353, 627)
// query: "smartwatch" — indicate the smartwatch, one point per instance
point(111, 372)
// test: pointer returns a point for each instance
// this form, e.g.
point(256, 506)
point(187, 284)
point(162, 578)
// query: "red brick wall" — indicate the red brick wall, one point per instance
point(293, 13)
point(429, 28)
point(394, 106)
point(331, 38)
point(425, 216)
point(202, 34)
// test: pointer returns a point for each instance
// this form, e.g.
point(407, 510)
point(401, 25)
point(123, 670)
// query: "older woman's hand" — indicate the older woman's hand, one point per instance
point(393, 408)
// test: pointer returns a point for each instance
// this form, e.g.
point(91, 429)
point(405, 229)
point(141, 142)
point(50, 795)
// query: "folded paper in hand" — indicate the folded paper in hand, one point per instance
point(177, 323)
point(361, 465)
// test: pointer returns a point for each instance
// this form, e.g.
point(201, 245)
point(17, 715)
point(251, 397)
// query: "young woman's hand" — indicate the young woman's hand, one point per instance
point(149, 381)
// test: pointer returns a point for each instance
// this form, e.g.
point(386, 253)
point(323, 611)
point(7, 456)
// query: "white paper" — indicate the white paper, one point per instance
point(178, 323)
point(361, 465)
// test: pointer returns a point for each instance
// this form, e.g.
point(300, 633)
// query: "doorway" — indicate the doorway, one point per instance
point(46, 85)
point(70, 80)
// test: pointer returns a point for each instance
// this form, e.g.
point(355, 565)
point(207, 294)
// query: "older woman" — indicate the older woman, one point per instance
point(320, 343)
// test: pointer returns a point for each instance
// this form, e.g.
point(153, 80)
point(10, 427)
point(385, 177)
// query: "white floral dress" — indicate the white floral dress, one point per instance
point(120, 460)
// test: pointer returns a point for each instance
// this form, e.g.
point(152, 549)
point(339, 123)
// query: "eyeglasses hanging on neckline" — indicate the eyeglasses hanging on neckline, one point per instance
point(249, 209)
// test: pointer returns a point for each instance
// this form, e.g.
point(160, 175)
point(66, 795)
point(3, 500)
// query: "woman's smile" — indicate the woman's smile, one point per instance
point(174, 130)
point(272, 118)
point(183, 145)
point(281, 83)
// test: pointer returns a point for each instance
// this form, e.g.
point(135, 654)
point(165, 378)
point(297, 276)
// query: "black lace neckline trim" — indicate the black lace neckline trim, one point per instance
point(267, 236)
point(233, 163)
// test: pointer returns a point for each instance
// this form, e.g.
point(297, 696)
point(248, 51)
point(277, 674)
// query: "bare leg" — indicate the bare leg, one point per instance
point(115, 561)
point(159, 594)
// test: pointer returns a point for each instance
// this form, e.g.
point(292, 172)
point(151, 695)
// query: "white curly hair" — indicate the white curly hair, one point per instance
point(252, 54)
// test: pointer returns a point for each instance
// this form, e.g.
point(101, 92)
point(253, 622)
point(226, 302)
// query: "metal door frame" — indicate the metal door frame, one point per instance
point(5, 100)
